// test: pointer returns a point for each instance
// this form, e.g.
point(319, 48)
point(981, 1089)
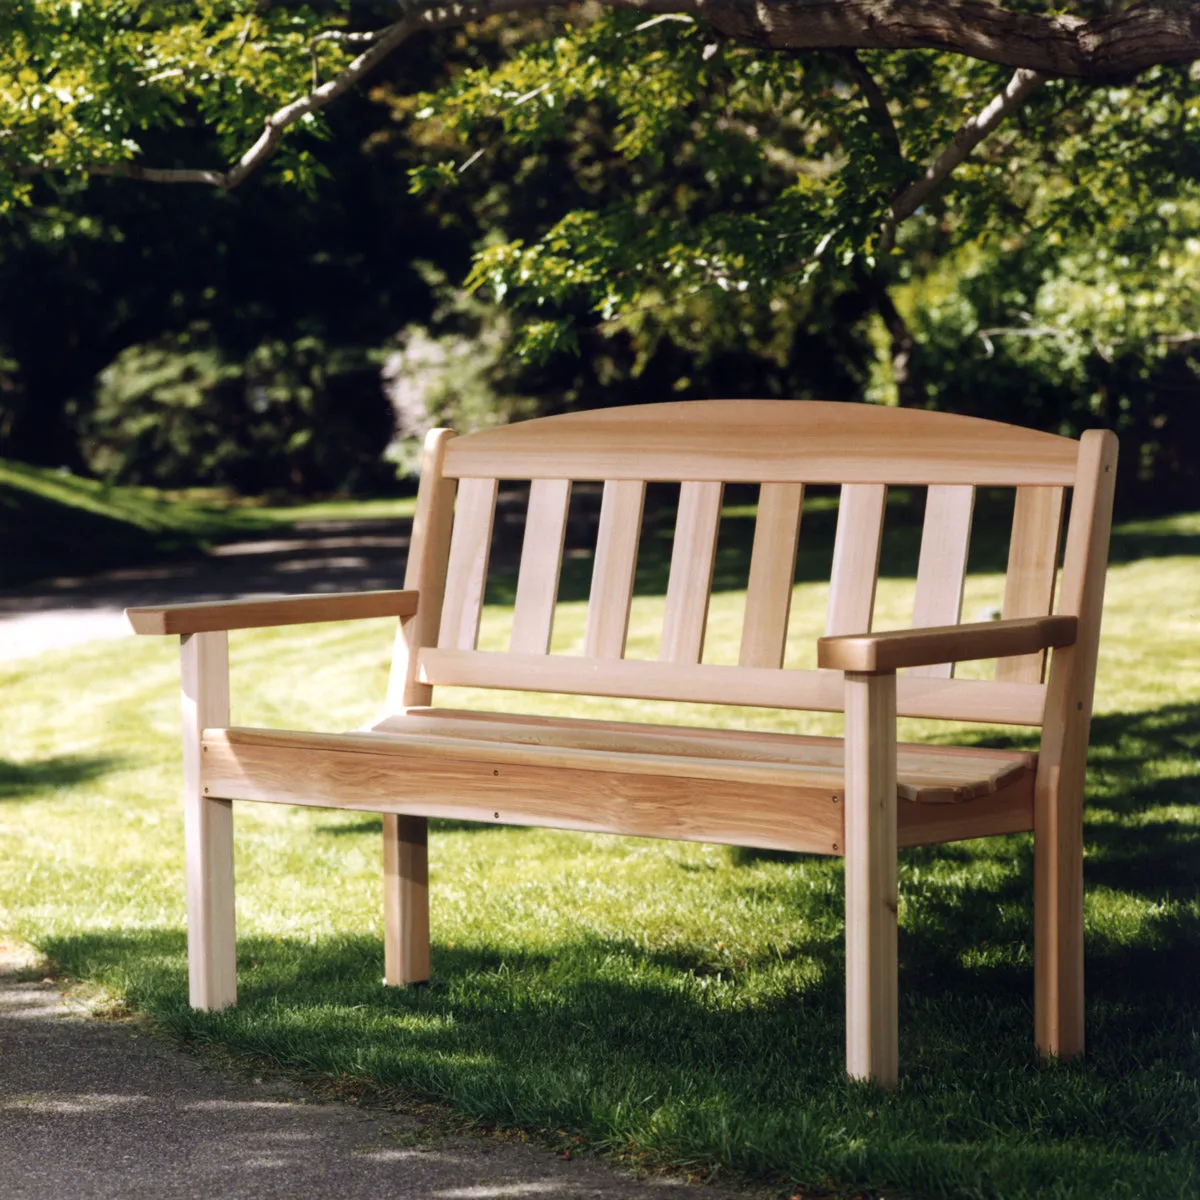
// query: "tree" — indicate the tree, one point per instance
point(750, 154)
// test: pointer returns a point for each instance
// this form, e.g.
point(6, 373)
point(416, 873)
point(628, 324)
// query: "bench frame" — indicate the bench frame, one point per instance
point(701, 444)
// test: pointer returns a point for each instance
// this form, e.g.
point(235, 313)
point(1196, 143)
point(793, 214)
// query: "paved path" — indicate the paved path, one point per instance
point(316, 556)
point(97, 1110)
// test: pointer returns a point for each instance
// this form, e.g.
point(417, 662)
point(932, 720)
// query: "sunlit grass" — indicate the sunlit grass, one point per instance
point(676, 1004)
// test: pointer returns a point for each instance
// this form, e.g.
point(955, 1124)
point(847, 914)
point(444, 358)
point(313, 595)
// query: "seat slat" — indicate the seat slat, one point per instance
point(466, 574)
point(942, 567)
point(781, 807)
point(690, 581)
point(856, 548)
point(1032, 568)
point(772, 570)
point(613, 568)
point(755, 687)
point(541, 562)
point(926, 774)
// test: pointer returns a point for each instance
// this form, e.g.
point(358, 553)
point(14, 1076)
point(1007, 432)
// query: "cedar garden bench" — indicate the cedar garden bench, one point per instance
point(860, 798)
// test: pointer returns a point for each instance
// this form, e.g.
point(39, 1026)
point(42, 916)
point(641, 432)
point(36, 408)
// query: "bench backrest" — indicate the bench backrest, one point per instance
point(781, 446)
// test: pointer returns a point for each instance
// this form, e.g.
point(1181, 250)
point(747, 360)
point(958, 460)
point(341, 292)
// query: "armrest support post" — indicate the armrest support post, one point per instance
point(208, 827)
point(872, 1014)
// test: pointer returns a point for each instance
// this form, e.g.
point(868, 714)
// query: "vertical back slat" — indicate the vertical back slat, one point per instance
point(466, 573)
point(942, 567)
point(772, 570)
point(692, 557)
point(541, 561)
point(613, 568)
point(856, 559)
point(1032, 562)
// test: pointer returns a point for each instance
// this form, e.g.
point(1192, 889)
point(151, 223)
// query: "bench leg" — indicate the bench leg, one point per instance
point(208, 828)
point(1058, 919)
point(872, 1014)
point(405, 900)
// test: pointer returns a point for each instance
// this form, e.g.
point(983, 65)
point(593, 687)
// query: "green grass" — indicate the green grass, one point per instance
point(672, 1004)
point(55, 523)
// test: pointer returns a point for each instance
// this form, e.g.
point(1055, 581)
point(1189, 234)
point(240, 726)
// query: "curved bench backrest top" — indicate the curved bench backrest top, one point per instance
point(760, 441)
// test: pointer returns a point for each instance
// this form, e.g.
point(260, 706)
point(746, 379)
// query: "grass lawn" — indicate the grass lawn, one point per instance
point(671, 1004)
point(54, 523)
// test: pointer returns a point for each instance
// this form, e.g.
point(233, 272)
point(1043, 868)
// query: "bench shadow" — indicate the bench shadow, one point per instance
point(30, 780)
point(546, 1035)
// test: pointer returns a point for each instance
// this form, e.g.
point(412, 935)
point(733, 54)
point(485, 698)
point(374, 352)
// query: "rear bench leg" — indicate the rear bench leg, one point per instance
point(208, 827)
point(871, 892)
point(405, 900)
point(1058, 916)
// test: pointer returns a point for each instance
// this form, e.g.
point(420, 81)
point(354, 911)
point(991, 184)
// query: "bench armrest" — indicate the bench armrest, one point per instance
point(876, 653)
point(281, 610)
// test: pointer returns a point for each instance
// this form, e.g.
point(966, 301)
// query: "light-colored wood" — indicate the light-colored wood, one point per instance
point(690, 581)
point(942, 567)
point(1032, 566)
point(466, 572)
point(1007, 810)
point(424, 572)
point(925, 774)
point(278, 610)
point(775, 791)
point(405, 899)
point(613, 568)
point(1062, 767)
point(756, 687)
point(541, 560)
point(855, 559)
point(406, 839)
point(207, 827)
point(507, 785)
point(772, 572)
point(959, 643)
point(872, 899)
point(771, 441)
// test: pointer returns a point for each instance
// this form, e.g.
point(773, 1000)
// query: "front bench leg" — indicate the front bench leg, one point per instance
point(405, 900)
point(208, 827)
point(871, 890)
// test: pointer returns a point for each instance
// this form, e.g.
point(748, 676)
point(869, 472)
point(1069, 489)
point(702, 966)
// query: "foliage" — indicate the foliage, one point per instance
point(665, 1003)
point(290, 416)
point(652, 205)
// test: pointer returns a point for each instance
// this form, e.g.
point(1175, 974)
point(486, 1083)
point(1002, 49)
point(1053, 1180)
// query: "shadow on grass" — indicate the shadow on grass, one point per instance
point(30, 780)
point(661, 1055)
point(714, 1054)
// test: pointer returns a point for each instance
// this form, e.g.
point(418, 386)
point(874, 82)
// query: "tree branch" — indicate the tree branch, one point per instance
point(1122, 43)
point(967, 137)
point(876, 100)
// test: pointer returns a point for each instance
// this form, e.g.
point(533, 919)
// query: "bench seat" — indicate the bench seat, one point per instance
point(767, 790)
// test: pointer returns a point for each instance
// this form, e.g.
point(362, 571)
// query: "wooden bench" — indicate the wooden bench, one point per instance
point(860, 800)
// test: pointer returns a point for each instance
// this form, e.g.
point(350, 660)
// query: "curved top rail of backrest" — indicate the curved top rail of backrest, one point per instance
point(767, 441)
